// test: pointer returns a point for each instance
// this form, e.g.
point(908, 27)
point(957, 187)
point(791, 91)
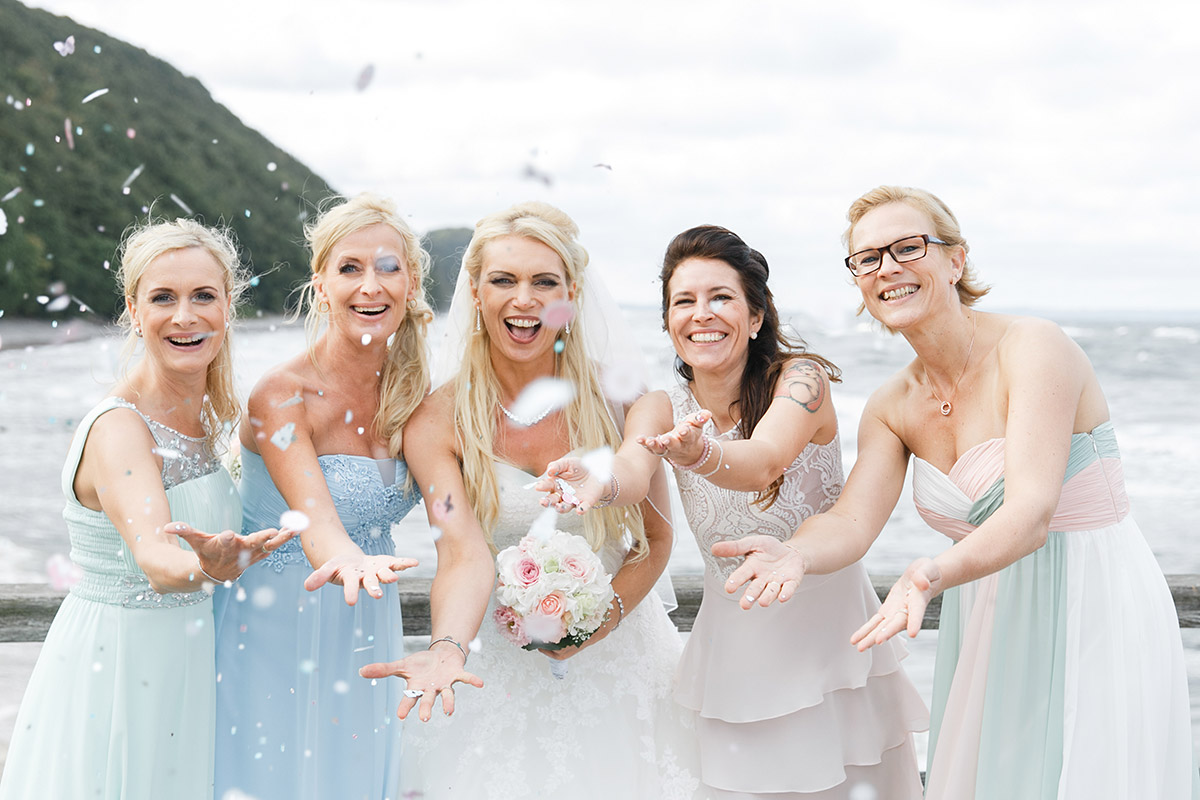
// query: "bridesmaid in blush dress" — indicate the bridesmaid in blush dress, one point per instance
point(322, 445)
point(120, 703)
point(1060, 671)
point(753, 438)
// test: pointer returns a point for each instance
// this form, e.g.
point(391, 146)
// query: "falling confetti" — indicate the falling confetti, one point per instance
point(94, 95)
point(622, 382)
point(598, 462)
point(187, 210)
point(475, 646)
point(341, 687)
point(364, 77)
point(435, 532)
point(284, 437)
point(294, 520)
point(349, 416)
point(70, 135)
point(63, 572)
point(11, 195)
point(604, 166)
point(130, 133)
point(541, 397)
point(3, 222)
point(263, 597)
point(166, 452)
point(366, 339)
point(543, 527)
point(133, 176)
point(716, 305)
point(272, 166)
point(295, 399)
point(559, 346)
point(534, 174)
point(65, 47)
point(559, 314)
point(442, 508)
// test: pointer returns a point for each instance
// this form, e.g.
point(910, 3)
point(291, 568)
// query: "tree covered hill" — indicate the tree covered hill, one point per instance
point(91, 140)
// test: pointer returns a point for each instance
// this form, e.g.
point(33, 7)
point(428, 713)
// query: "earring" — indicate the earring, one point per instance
point(567, 330)
point(478, 321)
point(753, 334)
point(323, 306)
point(226, 324)
point(412, 303)
point(137, 331)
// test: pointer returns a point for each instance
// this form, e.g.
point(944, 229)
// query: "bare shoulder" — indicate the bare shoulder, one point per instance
point(433, 421)
point(122, 427)
point(281, 382)
point(1024, 339)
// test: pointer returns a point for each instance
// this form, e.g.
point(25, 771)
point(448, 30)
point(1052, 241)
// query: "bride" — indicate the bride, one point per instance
point(609, 728)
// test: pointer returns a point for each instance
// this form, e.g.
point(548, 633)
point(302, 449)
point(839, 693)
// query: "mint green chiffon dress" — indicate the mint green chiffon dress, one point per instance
point(120, 704)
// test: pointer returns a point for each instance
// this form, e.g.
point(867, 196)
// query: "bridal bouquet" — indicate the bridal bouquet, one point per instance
point(553, 593)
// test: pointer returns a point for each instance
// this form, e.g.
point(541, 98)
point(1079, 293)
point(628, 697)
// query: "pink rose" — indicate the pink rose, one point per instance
point(552, 605)
point(528, 572)
point(577, 567)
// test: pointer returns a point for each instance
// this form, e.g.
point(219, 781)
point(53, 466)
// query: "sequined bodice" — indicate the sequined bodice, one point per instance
point(199, 492)
point(810, 485)
point(368, 502)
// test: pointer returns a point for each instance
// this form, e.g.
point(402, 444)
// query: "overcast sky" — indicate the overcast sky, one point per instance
point(1063, 134)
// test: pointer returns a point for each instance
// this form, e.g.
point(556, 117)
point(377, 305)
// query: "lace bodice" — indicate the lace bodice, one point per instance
point(811, 485)
point(520, 508)
point(184, 457)
point(370, 496)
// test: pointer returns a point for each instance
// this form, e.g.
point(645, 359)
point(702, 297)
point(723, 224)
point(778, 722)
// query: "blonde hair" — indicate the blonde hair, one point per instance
point(590, 422)
point(945, 227)
point(404, 379)
point(148, 241)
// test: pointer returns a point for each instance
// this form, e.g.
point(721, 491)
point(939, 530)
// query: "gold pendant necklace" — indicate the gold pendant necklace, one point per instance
point(945, 405)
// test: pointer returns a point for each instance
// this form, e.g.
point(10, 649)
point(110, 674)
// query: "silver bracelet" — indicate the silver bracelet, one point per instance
point(452, 641)
point(620, 609)
point(204, 572)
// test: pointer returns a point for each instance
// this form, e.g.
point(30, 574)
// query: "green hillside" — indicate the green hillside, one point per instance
point(66, 203)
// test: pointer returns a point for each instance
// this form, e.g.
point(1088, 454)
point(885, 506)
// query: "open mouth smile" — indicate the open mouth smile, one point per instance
point(523, 329)
point(898, 292)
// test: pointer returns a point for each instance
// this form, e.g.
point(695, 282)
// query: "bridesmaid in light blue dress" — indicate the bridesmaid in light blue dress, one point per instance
point(294, 720)
point(120, 703)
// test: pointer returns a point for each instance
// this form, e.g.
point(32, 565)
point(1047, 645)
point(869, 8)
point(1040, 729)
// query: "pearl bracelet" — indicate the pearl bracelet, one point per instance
point(700, 461)
point(620, 610)
point(614, 491)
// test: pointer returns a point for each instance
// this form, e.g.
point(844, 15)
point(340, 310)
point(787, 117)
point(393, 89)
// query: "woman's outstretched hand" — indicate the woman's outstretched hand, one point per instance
point(226, 555)
point(355, 570)
point(904, 608)
point(683, 444)
point(773, 569)
point(569, 484)
point(429, 674)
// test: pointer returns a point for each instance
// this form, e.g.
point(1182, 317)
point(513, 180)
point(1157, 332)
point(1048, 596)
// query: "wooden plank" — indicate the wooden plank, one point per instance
point(26, 609)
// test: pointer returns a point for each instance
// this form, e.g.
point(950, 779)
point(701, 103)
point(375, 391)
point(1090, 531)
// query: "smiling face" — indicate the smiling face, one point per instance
point(366, 282)
point(520, 279)
point(900, 294)
point(708, 317)
point(181, 308)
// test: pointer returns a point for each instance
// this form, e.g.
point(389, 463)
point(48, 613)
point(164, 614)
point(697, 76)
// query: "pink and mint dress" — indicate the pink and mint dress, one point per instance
point(1062, 675)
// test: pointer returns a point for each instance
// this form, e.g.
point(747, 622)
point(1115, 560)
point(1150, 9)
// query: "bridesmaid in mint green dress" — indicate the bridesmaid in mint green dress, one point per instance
point(121, 702)
point(294, 719)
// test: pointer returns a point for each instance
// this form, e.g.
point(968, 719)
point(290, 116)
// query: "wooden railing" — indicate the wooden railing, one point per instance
point(26, 609)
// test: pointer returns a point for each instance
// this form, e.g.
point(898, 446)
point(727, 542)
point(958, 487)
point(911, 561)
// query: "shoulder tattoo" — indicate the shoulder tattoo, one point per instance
point(804, 384)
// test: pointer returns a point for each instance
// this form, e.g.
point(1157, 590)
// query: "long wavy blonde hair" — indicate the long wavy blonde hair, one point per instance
point(590, 421)
point(143, 244)
point(404, 379)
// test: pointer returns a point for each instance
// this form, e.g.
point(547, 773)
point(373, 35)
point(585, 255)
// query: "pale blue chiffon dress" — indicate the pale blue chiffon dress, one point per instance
point(120, 703)
point(294, 719)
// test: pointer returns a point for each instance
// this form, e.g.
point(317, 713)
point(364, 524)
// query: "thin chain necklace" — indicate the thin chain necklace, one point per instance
point(526, 423)
point(946, 407)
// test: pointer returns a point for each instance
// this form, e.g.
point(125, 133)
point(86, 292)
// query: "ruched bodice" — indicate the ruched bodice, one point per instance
point(368, 501)
point(1093, 492)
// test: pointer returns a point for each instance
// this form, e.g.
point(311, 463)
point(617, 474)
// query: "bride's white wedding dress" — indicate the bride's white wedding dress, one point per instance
point(609, 729)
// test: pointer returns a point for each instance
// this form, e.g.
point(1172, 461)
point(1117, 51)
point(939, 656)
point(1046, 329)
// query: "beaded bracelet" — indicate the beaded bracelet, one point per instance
point(620, 610)
point(452, 641)
point(614, 491)
point(700, 461)
point(720, 460)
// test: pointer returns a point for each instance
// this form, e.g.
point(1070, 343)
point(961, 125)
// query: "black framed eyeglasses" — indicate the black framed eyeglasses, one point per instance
point(910, 248)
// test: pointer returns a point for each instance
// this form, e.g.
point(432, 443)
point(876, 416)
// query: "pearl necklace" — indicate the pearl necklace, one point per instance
point(525, 423)
point(946, 407)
